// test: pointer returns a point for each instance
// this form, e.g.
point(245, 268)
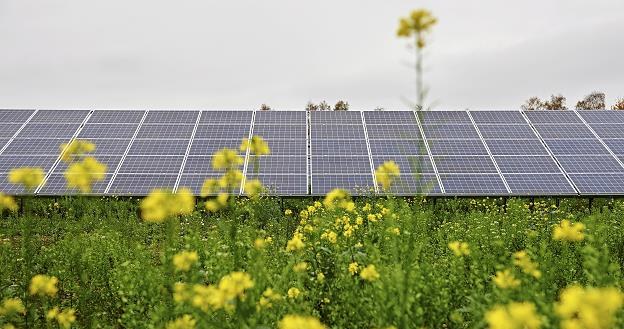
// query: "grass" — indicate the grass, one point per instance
point(116, 270)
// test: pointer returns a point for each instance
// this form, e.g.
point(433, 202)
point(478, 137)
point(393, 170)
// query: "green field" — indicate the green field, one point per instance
point(116, 270)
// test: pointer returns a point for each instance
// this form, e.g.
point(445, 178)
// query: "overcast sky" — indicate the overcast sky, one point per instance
point(240, 54)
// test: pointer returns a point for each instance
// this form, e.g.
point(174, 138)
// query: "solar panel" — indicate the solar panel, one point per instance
point(46, 130)
point(526, 164)
point(539, 184)
point(280, 131)
point(393, 132)
point(116, 116)
point(283, 184)
point(225, 117)
point(171, 117)
point(35, 146)
point(444, 117)
point(411, 184)
point(516, 147)
point(473, 184)
point(335, 118)
point(222, 132)
point(141, 184)
point(60, 116)
point(15, 116)
point(8, 162)
point(111, 162)
point(199, 165)
point(158, 147)
point(338, 147)
point(10, 188)
point(615, 145)
point(107, 130)
point(272, 164)
point(398, 147)
point(340, 165)
point(589, 164)
point(457, 147)
point(450, 131)
point(151, 164)
point(564, 131)
point(507, 131)
point(281, 117)
point(158, 131)
point(7, 130)
point(609, 130)
point(287, 146)
point(552, 117)
point(210, 147)
point(576, 146)
point(195, 182)
point(602, 116)
point(589, 184)
point(57, 185)
point(464, 164)
point(110, 146)
point(407, 164)
point(355, 184)
point(497, 117)
point(389, 118)
point(337, 132)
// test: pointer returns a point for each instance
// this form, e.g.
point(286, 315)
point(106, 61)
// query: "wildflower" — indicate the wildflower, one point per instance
point(320, 277)
point(580, 307)
point(208, 297)
point(268, 296)
point(395, 231)
point(330, 236)
point(295, 243)
point(82, 175)
point(354, 268)
point(210, 187)
point(418, 23)
point(386, 173)
point(505, 279)
point(300, 322)
point(513, 316)
point(29, 177)
point(181, 292)
point(293, 293)
point(367, 207)
point(522, 260)
point(7, 202)
point(41, 285)
point(300, 267)
point(184, 322)
point(256, 146)
point(231, 180)
point(372, 218)
point(75, 149)
point(64, 318)
point(259, 243)
point(369, 273)
point(288, 212)
point(226, 159)
point(184, 260)
point(339, 198)
point(161, 204)
point(234, 284)
point(253, 188)
point(567, 231)
point(459, 248)
point(12, 306)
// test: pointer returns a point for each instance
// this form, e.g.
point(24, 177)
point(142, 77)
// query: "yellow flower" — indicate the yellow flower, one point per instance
point(210, 187)
point(369, 273)
point(513, 316)
point(256, 146)
point(419, 22)
point(330, 236)
point(386, 173)
point(29, 177)
point(43, 285)
point(12, 306)
point(594, 308)
point(320, 277)
point(184, 322)
point(181, 292)
point(339, 198)
point(184, 260)
point(300, 322)
point(64, 318)
point(293, 293)
point(395, 231)
point(296, 243)
point(459, 248)
point(268, 296)
point(354, 268)
point(234, 284)
point(7, 202)
point(161, 204)
point(505, 279)
point(522, 260)
point(288, 212)
point(226, 159)
point(259, 243)
point(253, 188)
point(567, 231)
point(75, 149)
point(82, 175)
point(231, 180)
point(300, 267)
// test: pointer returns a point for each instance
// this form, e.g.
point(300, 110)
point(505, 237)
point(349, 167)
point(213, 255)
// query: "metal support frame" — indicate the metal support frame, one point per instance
point(308, 153)
point(186, 154)
point(424, 139)
point(370, 154)
point(18, 131)
point(598, 138)
point(247, 151)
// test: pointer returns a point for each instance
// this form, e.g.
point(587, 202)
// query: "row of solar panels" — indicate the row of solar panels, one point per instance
point(439, 152)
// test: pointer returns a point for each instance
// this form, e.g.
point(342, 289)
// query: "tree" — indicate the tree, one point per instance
point(265, 107)
point(619, 104)
point(341, 106)
point(312, 107)
point(323, 106)
point(556, 102)
point(532, 104)
point(593, 101)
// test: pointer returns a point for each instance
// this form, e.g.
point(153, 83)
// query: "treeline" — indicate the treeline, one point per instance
point(593, 101)
point(322, 106)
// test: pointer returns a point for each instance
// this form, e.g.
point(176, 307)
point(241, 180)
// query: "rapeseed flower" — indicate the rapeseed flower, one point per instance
point(12, 306)
point(288, 212)
point(354, 268)
point(296, 243)
point(161, 204)
point(234, 284)
point(184, 322)
point(253, 188)
point(338, 198)
point(513, 316)
point(28, 177)
point(459, 248)
point(75, 149)
point(593, 308)
point(523, 260)
point(330, 236)
point(369, 273)
point(83, 174)
point(300, 267)
point(568, 231)
point(183, 261)
point(43, 285)
point(268, 297)
point(386, 174)
point(7, 202)
point(64, 318)
point(210, 187)
point(256, 145)
point(505, 280)
point(293, 293)
point(300, 322)
point(226, 159)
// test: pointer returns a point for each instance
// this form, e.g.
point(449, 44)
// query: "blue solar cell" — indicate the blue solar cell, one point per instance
point(526, 164)
point(516, 147)
point(507, 131)
point(444, 117)
point(200, 165)
point(464, 164)
point(116, 116)
point(393, 132)
point(210, 117)
point(8, 162)
point(609, 184)
point(60, 116)
point(156, 131)
point(397, 147)
point(107, 130)
point(389, 117)
point(335, 118)
point(413, 184)
point(337, 131)
point(111, 162)
point(280, 131)
point(281, 117)
point(272, 164)
point(355, 184)
point(473, 184)
point(15, 116)
point(554, 117)
point(171, 117)
point(407, 164)
point(7, 130)
point(609, 130)
point(283, 184)
point(110, 146)
point(44, 130)
point(210, 147)
point(35, 146)
point(539, 184)
point(457, 147)
point(615, 145)
point(151, 164)
point(134, 184)
point(287, 146)
point(589, 164)
point(498, 117)
point(222, 132)
point(159, 147)
point(57, 185)
point(576, 146)
point(3, 142)
point(338, 147)
point(602, 116)
point(450, 131)
point(10, 188)
point(564, 131)
point(194, 182)
point(340, 165)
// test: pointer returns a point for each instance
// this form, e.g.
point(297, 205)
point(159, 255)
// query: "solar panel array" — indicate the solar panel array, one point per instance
point(445, 153)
